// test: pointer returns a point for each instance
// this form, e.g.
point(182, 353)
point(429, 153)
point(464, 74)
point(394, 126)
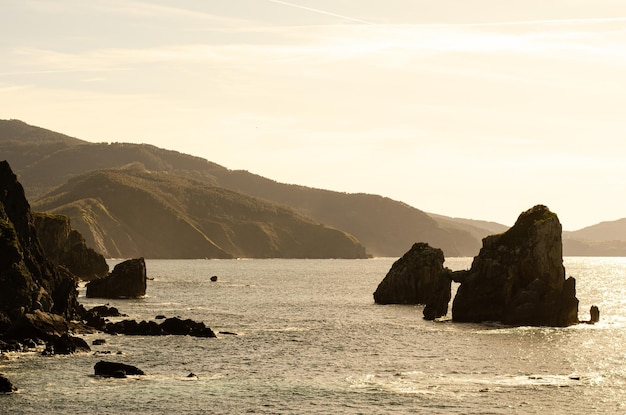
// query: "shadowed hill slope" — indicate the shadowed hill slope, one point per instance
point(137, 212)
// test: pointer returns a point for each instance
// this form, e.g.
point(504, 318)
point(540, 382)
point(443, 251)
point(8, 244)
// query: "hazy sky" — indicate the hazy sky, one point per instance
point(470, 108)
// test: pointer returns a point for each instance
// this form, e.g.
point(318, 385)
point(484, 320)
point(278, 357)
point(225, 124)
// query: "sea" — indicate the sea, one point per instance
point(305, 337)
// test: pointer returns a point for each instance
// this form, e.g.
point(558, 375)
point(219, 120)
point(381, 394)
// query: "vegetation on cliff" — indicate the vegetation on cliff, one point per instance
point(160, 215)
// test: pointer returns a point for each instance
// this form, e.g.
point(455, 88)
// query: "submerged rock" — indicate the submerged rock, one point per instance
point(518, 277)
point(127, 280)
point(419, 277)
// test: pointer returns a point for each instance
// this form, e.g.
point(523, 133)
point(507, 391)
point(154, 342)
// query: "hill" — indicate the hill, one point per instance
point(137, 212)
point(603, 239)
point(603, 231)
point(385, 226)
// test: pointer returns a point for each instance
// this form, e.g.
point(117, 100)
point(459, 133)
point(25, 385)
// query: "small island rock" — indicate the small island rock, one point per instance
point(419, 277)
point(518, 277)
point(127, 280)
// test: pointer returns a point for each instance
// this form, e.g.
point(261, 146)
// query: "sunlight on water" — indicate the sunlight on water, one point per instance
point(311, 340)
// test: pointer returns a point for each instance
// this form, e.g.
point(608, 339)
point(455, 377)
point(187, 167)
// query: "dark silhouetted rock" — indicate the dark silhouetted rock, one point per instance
point(518, 277)
point(116, 370)
point(66, 344)
point(28, 279)
point(98, 342)
point(594, 315)
point(38, 325)
point(5, 385)
point(105, 311)
point(171, 326)
point(418, 278)
point(214, 278)
point(65, 246)
point(127, 280)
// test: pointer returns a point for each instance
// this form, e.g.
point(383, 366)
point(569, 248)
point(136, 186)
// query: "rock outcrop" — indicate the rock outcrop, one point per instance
point(419, 277)
point(170, 326)
point(29, 281)
point(65, 246)
point(518, 277)
point(127, 280)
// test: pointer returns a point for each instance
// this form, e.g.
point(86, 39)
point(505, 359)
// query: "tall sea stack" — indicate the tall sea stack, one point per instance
point(518, 277)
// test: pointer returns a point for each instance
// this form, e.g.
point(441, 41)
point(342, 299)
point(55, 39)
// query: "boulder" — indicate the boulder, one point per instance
point(38, 325)
point(66, 344)
point(5, 385)
point(518, 277)
point(419, 277)
point(116, 370)
point(127, 280)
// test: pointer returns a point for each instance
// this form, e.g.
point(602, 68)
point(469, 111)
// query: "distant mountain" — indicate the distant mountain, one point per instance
point(603, 231)
point(603, 239)
point(137, 212)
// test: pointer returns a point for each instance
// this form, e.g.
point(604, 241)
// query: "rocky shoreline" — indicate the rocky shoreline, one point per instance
point(39, 306)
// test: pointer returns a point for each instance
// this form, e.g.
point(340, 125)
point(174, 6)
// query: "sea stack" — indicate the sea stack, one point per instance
point(419, 277)
point(518, 277)
point(127, 280)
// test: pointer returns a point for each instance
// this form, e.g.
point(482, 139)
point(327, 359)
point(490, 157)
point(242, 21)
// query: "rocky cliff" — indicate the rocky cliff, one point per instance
point(518, 277)
point(65, 246)
point(28, 280)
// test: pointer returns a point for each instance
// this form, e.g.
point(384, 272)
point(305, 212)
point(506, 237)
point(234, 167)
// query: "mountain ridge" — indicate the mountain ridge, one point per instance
point(386, 227)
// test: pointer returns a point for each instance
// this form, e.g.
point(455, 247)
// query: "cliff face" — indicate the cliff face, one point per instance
point(28, 280)
point(518, 277)
point(65, 246)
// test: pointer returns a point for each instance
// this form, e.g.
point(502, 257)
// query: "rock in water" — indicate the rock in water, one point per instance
point(418, 278)
point(518, 277)
point(5, 385)
point(115, 370)
point(127, 280)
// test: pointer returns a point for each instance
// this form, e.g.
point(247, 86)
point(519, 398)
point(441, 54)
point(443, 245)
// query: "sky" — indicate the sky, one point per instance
point(477, 109)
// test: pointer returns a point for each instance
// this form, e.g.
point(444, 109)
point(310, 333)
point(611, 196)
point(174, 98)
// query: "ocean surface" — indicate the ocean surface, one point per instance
point(310, 340)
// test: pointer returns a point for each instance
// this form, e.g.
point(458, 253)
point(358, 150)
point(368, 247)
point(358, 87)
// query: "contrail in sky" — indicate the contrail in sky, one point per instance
point(298, 6)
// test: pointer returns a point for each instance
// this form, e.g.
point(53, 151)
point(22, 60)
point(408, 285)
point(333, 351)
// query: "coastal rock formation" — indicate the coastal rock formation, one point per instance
point(116, 370)
point(518, 277)
point(29, 281)
point(65, 246)
point(418, 278)
point(127, 280)
point(170, 326)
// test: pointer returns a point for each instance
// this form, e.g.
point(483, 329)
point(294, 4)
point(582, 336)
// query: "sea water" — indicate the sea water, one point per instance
point(310, 340)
